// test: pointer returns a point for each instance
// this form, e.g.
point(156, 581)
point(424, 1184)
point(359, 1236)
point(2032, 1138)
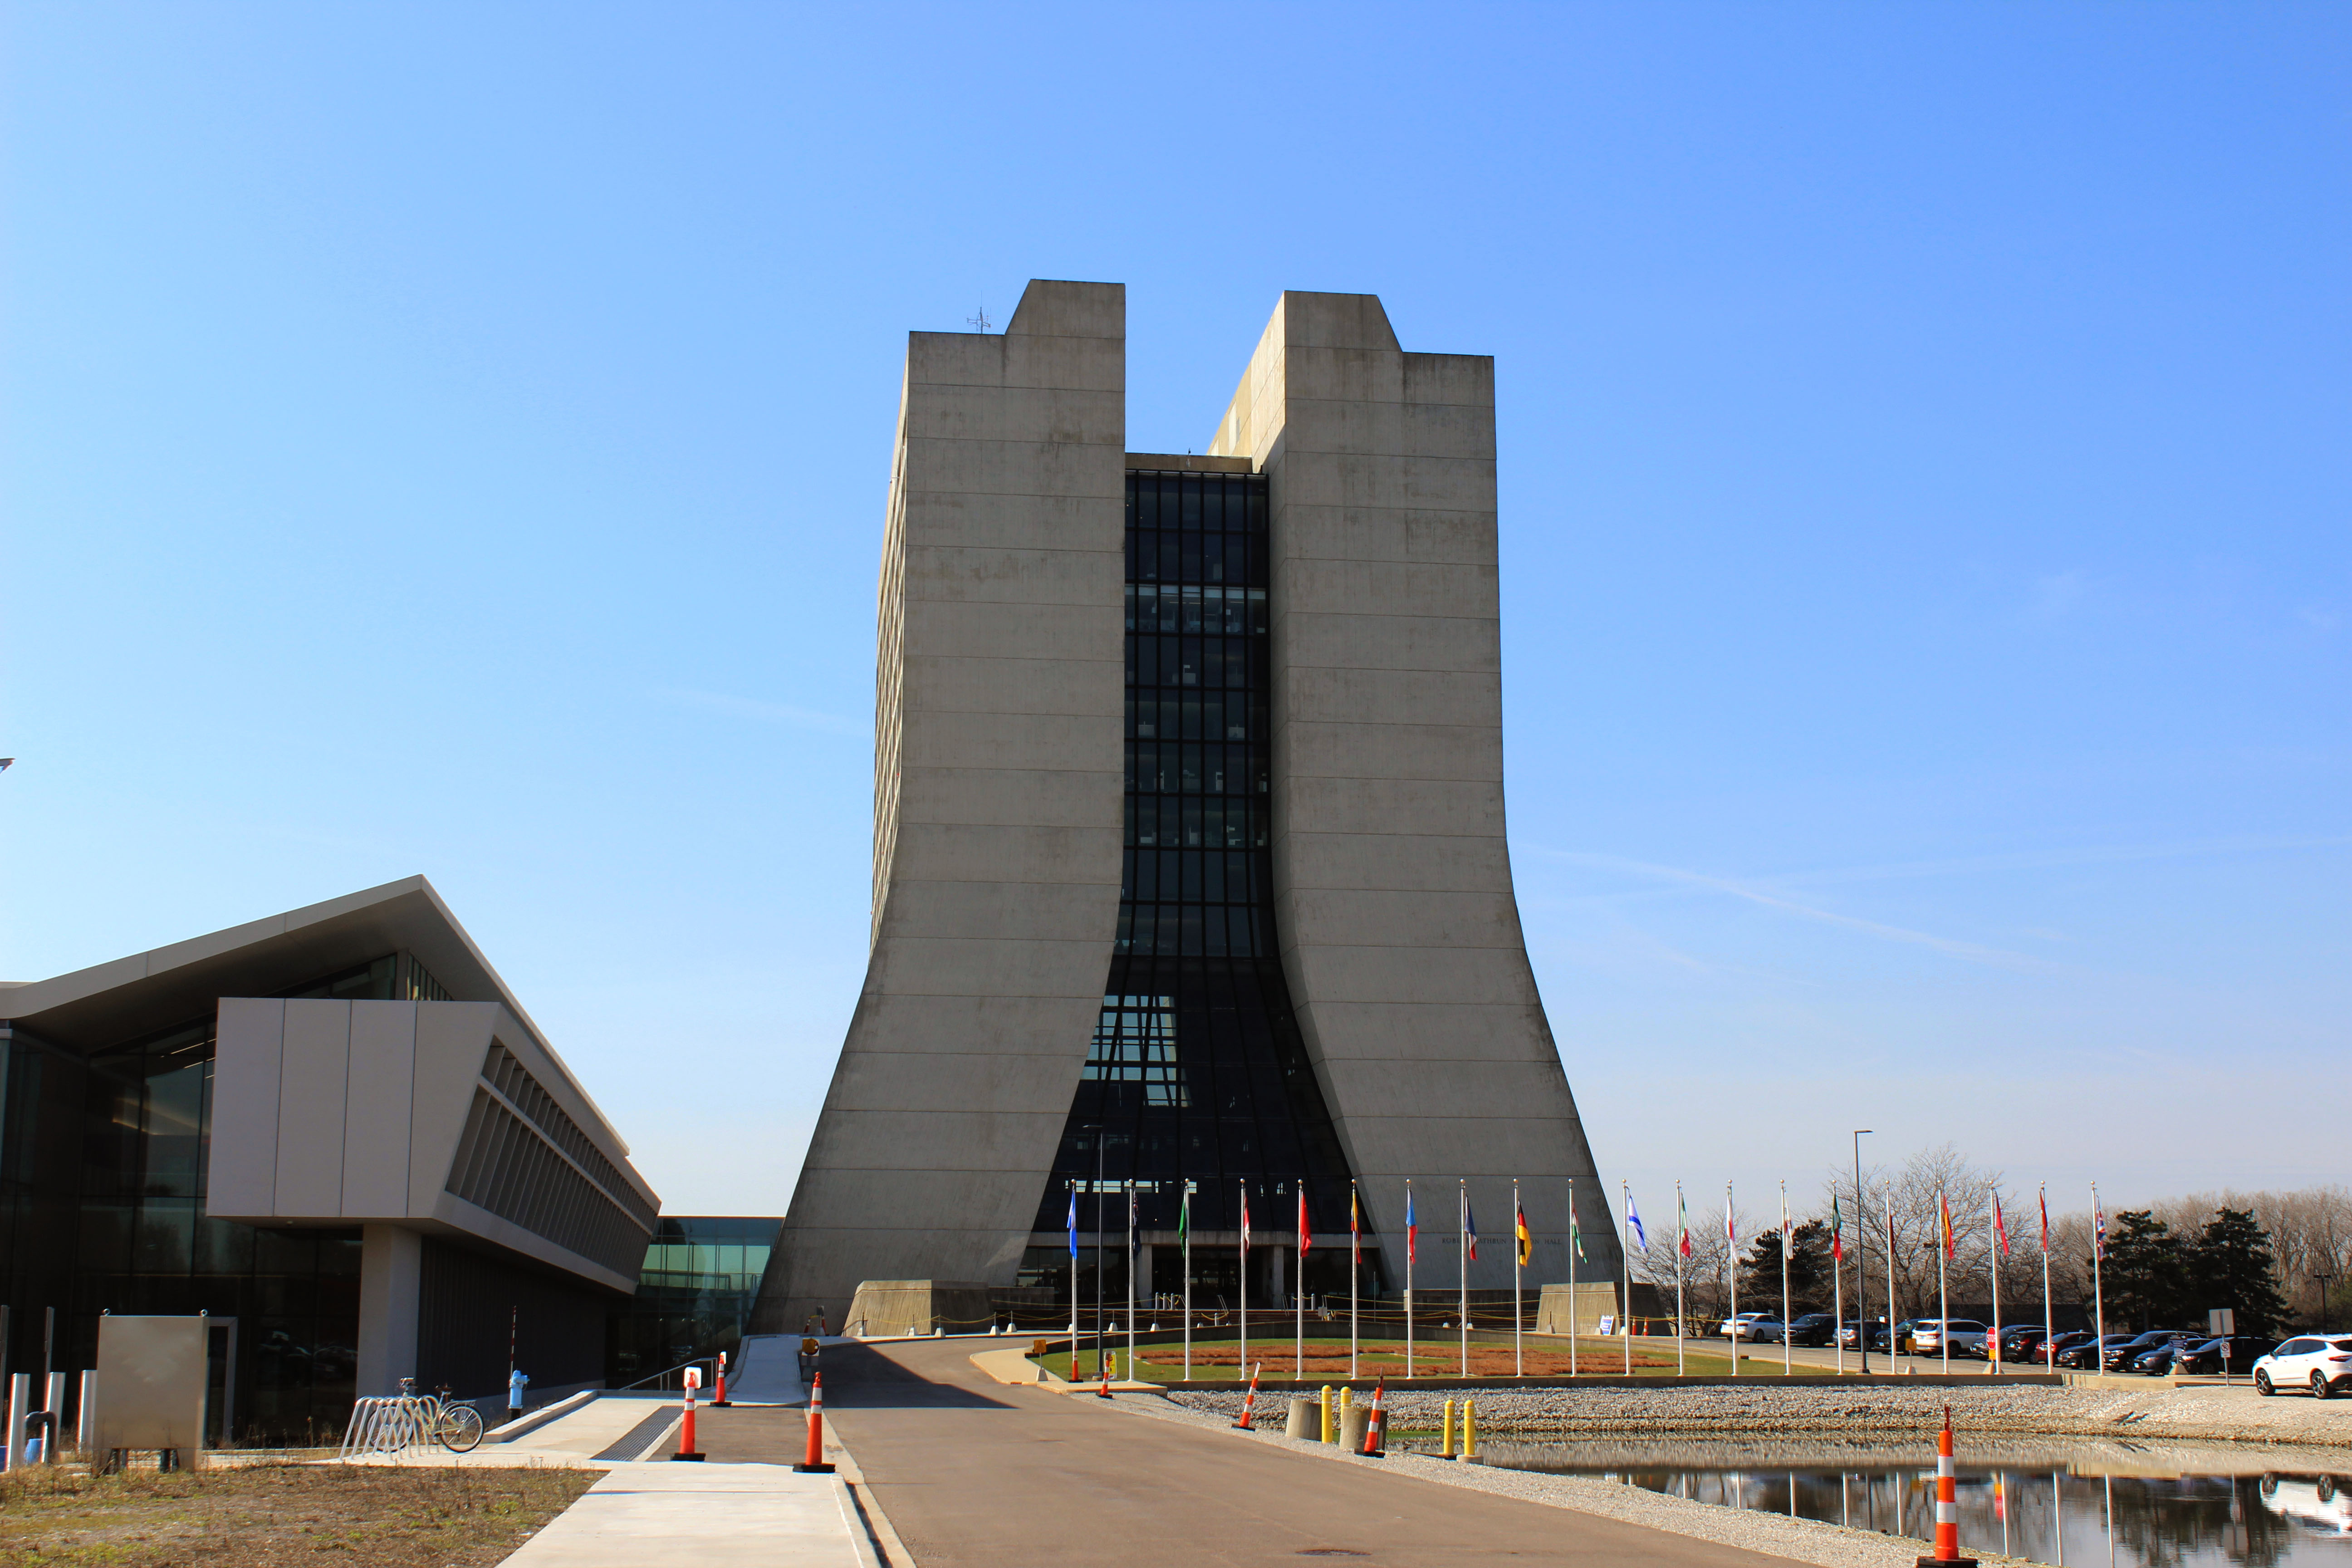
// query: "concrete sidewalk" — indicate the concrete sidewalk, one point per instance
point(704, 1516)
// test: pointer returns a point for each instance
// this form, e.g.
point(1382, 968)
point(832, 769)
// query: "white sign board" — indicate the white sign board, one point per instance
point(2222, 1321)
point(1608, 1323)
point(151, 1384)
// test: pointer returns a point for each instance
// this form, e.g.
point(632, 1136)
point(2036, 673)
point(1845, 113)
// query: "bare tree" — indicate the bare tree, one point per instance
point(1705, 1282)
point(1915, 1198)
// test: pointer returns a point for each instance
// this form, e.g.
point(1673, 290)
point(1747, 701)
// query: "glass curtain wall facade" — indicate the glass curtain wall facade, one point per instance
point(102, 1163)
point(700, 1279)
point(1197, 1071)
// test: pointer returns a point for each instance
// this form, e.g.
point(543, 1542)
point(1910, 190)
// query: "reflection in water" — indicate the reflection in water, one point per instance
point(2171, 1507)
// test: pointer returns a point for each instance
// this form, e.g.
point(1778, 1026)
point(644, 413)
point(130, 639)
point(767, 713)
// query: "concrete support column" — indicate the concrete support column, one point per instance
point(392, 1273)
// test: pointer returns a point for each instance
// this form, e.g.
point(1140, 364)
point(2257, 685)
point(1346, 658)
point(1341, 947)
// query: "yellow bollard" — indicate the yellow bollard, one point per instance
point(1446, 1450)
point(1469, 1428)
point(1326, 1410)
point(1346, 1402)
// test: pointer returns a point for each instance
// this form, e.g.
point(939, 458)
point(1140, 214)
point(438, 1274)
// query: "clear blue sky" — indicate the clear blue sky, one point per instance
point(453, 439)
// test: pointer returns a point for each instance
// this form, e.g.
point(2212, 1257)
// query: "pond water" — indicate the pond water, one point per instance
point(2091, 1502)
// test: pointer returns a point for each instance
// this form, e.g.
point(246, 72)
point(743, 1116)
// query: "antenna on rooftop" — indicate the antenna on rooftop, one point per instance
point(979, 323)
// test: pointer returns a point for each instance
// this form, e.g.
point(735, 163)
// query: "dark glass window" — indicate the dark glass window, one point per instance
point(1197, 1071)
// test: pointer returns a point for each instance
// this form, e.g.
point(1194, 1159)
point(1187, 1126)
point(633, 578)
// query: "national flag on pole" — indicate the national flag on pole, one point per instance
point(1355, 1224)
point(1306, 1237)
point(1073, 1219)
point(1837, 1230)
point(1244, 1219)
point(1469, 1231)
point(2099, 1229)
point(1412, 1230)
point(2000, 1225)
point(1184, 1217)
point(1575, 1232)
point(1134, 1232)
point(1730, 1223)
point(1682, 1223)
point(1944, 1202)
point(2043, 1199)
point(1527, 1242)
point(1633, 1219)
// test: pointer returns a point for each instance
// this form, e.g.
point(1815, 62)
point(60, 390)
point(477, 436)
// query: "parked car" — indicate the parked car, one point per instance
point(2321, 1362)
point(2119, 1358)
point(2204, 1359)
point(1849, 1333)
point(1736, 1327)
point(1929, 1333)
point(2157, 1363)
point(2087, 1355)
point(2048, 1349)
point(1756, 1327)
point(2018, 1344)
point(1812, 1329)
point(2321, 1504)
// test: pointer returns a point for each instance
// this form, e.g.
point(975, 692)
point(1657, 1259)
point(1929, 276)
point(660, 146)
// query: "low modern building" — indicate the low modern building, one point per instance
point(336, 1127)
point(1190, 873)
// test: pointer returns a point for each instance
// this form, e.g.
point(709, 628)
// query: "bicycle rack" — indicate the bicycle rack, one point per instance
point(391, 1424)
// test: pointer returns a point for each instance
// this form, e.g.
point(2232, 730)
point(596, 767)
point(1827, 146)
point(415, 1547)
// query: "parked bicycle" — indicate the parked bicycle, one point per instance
point(457, 1427)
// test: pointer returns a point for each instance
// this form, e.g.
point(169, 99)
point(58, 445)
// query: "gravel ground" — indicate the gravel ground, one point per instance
point(2204, 1412)
point(1797, 1541)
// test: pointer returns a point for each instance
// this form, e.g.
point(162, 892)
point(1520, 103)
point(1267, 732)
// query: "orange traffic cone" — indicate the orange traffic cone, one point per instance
point(1376, 1436)
point(1948, 1506)
point(814, 1464)
point(1250, 1399)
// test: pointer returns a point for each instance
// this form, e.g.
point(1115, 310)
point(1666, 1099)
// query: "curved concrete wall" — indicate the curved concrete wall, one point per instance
point(998, 792)
point(1400, 929)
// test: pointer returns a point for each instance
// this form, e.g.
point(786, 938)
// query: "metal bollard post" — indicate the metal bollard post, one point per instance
point(1445, 1433)
point(1469, 1429)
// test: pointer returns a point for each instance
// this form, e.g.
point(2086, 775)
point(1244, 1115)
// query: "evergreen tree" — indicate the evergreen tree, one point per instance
point(2230, 1264)
point(2144, 1271)
point(1809, 1270)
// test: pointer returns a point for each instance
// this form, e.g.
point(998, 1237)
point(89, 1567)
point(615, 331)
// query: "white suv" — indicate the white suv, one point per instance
point(1967, 1336)
point(2322, 1362)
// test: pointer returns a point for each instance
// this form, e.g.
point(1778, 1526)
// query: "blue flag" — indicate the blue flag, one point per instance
point(1633, 1218)
point(1073, 1219)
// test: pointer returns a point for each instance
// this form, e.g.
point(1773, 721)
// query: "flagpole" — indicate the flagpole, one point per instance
point(2049, 1317)
point(1134, 1256)
point(1519, 1345)
point(1731, 1269)
point(1837, 1285)
point(1298, 1289)
point(2098, 1285)
point(1244, 1298)
point(1411, 1246)
point(1682, 1241)
point(1788, 1351)
point(1074, 1280)
point(1573, 1242)
point(1462, 1256)
point(1355, 1258)
point(1886, 1193)
point(1625, 1312)
point(1943, 1299)
point(1992, 1250)
point(1184, 1217)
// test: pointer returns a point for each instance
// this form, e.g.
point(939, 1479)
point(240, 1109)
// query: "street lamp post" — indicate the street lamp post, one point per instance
point(2325, 1281)
point(1861, 1231)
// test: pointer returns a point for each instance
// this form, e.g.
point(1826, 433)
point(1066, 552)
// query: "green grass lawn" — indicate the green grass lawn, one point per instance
point(1327, 1360)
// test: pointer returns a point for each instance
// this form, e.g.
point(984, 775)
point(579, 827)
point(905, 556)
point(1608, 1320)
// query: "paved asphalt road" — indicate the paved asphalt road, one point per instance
point(974, 1474)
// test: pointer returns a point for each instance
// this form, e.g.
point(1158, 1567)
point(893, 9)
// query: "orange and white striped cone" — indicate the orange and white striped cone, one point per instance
point(686, 1449)
point(720, 1402)
point(1249, 1400)
point(814, 1464)
point(1376, 1436)
point(1948, 1505)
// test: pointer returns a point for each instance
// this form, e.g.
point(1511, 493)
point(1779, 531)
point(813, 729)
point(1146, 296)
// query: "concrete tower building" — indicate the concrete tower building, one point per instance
point(1189, 842)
